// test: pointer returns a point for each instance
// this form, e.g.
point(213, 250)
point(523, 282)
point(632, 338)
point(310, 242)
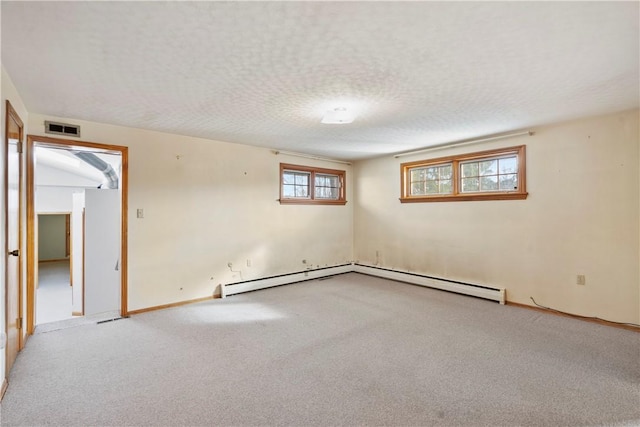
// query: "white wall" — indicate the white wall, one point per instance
point(55, 199)
point(207, 203)
point(8, 92)
point(581, 217)
point(55, 188)
point(52, 241)
point(53, 177)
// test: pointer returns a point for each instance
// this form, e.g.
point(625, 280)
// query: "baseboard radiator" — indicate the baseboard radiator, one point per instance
point(486, 292)
point(494, 294)
point(284, 279)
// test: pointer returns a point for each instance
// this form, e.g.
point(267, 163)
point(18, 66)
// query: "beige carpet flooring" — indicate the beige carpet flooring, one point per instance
point(348, 350)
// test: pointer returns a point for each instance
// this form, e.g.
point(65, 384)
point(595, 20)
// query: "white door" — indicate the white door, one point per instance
point(102, 251)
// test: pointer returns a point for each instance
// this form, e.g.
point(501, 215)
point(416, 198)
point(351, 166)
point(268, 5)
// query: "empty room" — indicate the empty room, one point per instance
point(320, 213)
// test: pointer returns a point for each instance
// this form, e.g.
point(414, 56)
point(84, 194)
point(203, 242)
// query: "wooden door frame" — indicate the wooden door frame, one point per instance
point(11, 114)
point(32, 140)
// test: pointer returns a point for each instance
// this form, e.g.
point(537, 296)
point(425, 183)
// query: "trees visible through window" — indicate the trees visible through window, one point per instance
point(487, 175)
point(307, 185)
point(295, 184)
point(432, 180)
point(499, 174)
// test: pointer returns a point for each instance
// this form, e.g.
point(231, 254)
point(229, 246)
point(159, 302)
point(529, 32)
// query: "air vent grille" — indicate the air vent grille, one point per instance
point(61, 128)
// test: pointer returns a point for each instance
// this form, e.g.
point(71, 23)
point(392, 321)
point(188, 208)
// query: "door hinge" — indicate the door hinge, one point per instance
point(19, 322)
point(20, 147)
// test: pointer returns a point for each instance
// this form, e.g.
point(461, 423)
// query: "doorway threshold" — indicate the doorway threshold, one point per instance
point(78, 321)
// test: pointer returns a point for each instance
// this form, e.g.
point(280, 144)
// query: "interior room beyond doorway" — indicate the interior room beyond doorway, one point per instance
point(78, 216)
point(54, 297)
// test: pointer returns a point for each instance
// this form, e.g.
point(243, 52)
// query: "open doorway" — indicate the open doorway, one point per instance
point(78, 272)
point(54, 298)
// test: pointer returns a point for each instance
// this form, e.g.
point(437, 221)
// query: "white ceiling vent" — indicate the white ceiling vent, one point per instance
point(61, 128)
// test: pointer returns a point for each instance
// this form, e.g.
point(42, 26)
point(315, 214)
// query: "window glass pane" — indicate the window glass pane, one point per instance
point(417, 188)
point(333, 181)
point(469, 169)
point(446, 186)
point(432, 173)
point(327, 186)
point(295, 184)
point(288, 178)
point(288, 191)
point(301, 191)
point(432, 187)
point(302, 179)
point(431, 180)
point(488, 167)
point(509, 182)
point(470, 184)
point(327, 193)
point(445, 172)
point(489, 183)
point(508, 165)
point(417, 175)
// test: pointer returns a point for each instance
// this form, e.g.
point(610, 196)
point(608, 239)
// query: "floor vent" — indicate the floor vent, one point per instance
point(61, 129)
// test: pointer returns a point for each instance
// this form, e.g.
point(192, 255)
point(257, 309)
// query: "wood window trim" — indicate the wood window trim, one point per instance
point(457, 195)
point(313, 171)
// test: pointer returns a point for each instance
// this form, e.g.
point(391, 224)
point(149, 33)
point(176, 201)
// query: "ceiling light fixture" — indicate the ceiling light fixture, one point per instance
point(337, 116)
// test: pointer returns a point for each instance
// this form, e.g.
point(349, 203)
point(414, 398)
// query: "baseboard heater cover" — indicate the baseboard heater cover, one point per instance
point(285, 279)
point(494, 294)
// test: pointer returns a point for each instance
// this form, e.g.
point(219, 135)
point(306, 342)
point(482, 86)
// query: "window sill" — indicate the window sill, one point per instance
point(311, 202)
point(465, 197)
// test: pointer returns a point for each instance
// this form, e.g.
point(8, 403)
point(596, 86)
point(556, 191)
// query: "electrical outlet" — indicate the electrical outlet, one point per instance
point(140, 213)
point(580, 279)
point(248, 263)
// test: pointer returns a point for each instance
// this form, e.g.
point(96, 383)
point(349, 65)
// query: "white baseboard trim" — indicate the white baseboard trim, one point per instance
point(494, 294)
point(254, 285)
point(486, 292)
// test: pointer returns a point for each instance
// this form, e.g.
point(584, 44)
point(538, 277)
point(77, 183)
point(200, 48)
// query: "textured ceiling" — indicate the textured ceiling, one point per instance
point(263, 73)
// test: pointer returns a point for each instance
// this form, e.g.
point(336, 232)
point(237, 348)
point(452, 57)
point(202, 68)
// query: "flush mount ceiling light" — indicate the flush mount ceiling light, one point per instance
point(337, 116)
